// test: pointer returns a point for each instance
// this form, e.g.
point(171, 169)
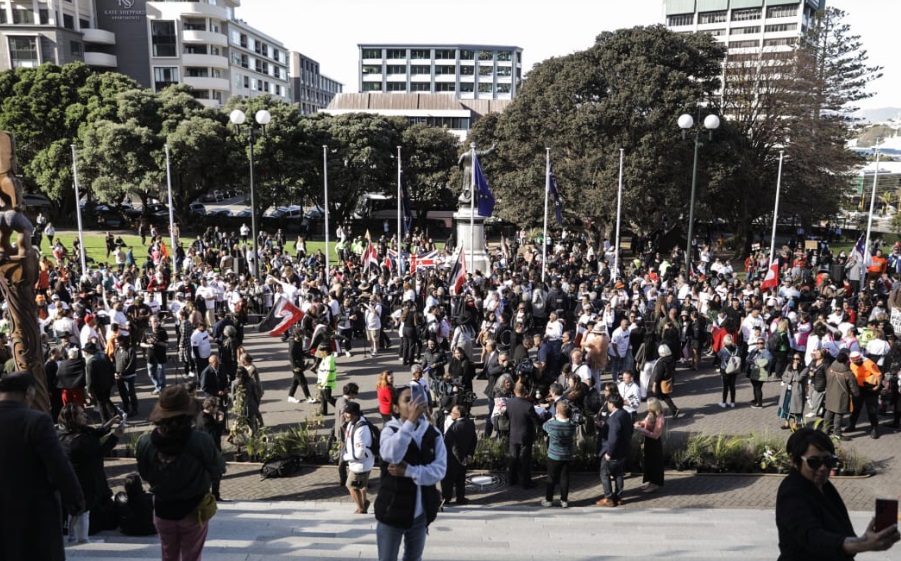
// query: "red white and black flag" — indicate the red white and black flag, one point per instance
point(458, 274)
point(281, 318)
point(370, 258)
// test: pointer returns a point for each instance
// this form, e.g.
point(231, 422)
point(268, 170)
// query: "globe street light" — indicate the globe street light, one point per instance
point(262, 118)
point(687, 122)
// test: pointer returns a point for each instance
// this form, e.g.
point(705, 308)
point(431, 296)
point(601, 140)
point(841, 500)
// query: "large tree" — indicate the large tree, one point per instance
point(429, 154)
point(624, 92)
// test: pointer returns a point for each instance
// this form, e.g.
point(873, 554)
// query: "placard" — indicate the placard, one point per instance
point(811, 244)
point(896, 319)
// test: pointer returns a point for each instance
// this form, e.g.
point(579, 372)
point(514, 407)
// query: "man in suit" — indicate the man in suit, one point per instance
point(614, 444)
point(523, 420)
point(460, 440)
point(34, 469)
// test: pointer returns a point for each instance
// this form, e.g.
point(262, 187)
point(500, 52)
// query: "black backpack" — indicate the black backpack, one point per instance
point(280, 467)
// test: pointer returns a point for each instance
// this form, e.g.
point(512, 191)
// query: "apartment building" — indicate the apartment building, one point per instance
point(466, 71)
point(310, 89)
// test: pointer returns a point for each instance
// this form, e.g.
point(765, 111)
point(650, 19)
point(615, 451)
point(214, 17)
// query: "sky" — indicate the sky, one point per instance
point(329, 30)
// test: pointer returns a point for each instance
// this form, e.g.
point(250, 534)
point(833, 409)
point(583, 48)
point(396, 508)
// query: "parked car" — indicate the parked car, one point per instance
point(197, 209)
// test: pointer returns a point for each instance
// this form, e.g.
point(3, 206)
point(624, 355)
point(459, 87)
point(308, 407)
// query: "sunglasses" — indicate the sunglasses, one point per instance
point(816, 462)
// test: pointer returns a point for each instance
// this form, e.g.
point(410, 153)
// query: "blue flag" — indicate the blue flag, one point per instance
point(558, 204)
point(406, 213)
point(483, 192)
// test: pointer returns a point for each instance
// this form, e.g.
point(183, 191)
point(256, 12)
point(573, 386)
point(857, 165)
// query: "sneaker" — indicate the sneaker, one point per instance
point(91, 540)
point(810, 415)
point(312, 400)
point(564, 504)
point(547, 504)
point(722, 405)
point(732, 404)
point(650, 488)
point(347, 354)
point(292, 399)
point(155, 392)
point(676, 414)
point(756, 406)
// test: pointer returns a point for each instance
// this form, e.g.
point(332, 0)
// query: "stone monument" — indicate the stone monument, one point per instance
point(468, 219)
point(19, 273)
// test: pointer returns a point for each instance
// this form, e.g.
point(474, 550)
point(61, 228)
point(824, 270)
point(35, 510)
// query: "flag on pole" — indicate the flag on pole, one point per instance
point(558, 203)
point(406, 212)
point(370, 258)
point(772, 277)
point(458, 274)
point(483, 192)
point(861, 253)
point(281, 318)
point(426, 260)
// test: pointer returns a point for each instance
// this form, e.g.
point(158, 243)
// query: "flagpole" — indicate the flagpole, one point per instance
point(472, 203)
point(325, 210)
point(171, 212)
point(866, 245)
point(619, 211)
point(81, 252)
point(776, 209)
point(547, 188)
point(400, 266)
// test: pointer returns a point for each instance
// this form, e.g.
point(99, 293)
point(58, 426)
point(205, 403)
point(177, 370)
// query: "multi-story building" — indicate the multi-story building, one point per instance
point(199, 43)
point(310, 89)
point(466, 71)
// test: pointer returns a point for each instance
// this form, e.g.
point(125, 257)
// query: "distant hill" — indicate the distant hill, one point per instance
point(879, 115)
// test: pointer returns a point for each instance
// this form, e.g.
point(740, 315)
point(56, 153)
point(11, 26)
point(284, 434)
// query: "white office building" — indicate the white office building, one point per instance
point(465, 71)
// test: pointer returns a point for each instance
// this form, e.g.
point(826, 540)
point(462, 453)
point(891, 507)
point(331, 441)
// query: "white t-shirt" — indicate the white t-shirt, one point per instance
point(201, 340)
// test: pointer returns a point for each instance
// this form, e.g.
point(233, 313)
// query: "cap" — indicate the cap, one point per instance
point(855, 355)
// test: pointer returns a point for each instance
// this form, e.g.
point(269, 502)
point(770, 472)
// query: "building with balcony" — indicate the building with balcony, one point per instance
point(310, 89)
point(33, 32)
point(464, 71)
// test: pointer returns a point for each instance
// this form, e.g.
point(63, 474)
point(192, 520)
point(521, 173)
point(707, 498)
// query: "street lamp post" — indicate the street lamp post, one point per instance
point(686, 122)
point(262, 118)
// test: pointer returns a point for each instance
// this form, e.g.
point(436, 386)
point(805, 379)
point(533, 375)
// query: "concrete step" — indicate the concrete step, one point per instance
point(257, 531)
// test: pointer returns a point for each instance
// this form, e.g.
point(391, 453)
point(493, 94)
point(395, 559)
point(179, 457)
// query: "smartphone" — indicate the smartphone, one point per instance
point(886, 513)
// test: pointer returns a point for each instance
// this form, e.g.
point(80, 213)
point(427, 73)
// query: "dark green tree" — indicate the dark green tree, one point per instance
point(429, 154)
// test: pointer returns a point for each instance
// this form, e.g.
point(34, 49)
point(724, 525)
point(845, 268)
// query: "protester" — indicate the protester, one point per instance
point(652, 428)
point(460, 440)
point(357, 454)
point(561, 444)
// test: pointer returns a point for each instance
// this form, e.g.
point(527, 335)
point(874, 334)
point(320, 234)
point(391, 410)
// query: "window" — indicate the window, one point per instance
point(485, 70)
point(746, 15)
point(680, 19)
point(745, 30)
point(466, 87)
point(23, 52)
point(3, 16)
point(276, 55)
point(397, 54)
point(743, 44)
point(236, 58)
point(504, 55)
point(466, 70)
point(787, 42)
point(444, 87)
point(397, 69)
point(372, 86)
point(486, 55)
point(504, 71)
point(445, 54)
point(83, 23)
point(445, 69)
point(164, 76)
point(420, 54)
point(372, 53)
point(779, 28)
point(372, 69)
point(716, 32)
point(420, 87)
point(76, 49)
point(712, 17)
point(278, 90)
point(397, 86)
point(420, 69)
point(23, 16)
point(503, 88)
point(485, 88)
point(43, 16)
point(68, 21)
point(163, 38)
point(782, 11)
point(467, 55)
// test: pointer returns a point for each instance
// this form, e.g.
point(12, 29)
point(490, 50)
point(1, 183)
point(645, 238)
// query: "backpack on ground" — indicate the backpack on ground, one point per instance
point(280, 467)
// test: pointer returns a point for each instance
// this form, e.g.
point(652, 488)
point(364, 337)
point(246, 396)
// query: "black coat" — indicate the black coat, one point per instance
point(34, 468)
point(615, 437)
point(100, 376)
point(70, 374)
point(523, 420)
point(85, 451)
point(460, 439)
point(812, 525)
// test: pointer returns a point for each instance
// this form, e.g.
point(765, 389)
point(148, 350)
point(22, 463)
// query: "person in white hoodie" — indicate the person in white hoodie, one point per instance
point(357, 454)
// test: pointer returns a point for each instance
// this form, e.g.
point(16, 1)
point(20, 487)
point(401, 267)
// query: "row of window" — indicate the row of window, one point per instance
point(440, 87)
point(259, 47)
point(261, 66)
point(24, 16)
point(784, 42)
point(440, 70)
point(440, 54)
point(722, 16)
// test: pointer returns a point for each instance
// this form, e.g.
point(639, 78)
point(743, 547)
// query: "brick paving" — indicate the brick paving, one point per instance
point(696, 394)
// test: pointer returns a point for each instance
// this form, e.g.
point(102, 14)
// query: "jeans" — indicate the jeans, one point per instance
point(181, 540)
point(557, 470)
point(388, 539)
point(157, 373)
point(128, 394)
point(620, 364)
point(612, 469)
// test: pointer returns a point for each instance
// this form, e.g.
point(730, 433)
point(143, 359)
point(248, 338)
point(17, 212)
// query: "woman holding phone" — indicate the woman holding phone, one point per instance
point(811, 517)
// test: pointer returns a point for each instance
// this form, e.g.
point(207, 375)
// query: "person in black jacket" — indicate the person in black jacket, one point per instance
point(523, 420)
point(614, 444)
point(435, 358)
point(134, 508)
point(70, 377)
point(85, 449)
point(50, 369)
point(298, 356)
point(124, 365)
point(811, 518)
point(460, 440)
point(100, 379)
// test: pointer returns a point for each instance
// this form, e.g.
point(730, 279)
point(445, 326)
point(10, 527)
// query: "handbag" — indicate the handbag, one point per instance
point(666, 386)
point(206, 509)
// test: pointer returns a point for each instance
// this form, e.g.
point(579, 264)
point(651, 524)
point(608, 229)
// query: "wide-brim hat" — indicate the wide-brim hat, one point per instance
point(174, 401)
point(598, 328)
